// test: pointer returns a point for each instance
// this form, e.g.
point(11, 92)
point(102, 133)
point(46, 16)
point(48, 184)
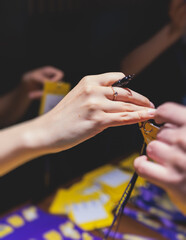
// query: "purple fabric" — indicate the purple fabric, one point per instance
point(37, 228)
point(171, 232)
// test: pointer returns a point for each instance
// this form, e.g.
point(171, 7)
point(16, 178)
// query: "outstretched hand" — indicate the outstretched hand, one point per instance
point(34, 80)
point(177, 13)
point(90, 108)
point(86, 110)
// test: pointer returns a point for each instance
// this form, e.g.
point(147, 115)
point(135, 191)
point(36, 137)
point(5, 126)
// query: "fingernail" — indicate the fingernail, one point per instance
point(152, 105)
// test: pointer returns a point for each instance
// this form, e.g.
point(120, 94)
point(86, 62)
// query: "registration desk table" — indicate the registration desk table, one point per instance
point(127, 224)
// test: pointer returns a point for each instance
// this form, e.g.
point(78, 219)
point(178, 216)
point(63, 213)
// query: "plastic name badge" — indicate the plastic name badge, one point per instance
point(64, 200)
point(53, 93)
point(91, 215)
point(149, 131)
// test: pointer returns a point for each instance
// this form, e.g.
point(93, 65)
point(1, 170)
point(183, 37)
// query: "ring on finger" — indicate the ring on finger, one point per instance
point(115, 94)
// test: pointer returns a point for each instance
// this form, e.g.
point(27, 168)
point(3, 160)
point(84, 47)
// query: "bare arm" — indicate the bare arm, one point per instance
point(19, 144)
point(145, 54)
point(14, 104)
point(86, 111)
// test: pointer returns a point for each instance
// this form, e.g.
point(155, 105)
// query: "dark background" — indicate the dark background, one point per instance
point(81, 38)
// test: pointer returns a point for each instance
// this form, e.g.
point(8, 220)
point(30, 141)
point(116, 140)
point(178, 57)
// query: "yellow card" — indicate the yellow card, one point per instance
point(85, 188)
point(65, 198)
point(88, 210)
point(91, 215)
point(149, 131)
point(113, 181)
point(53, 93)
point(108, 176)
point(128, 162)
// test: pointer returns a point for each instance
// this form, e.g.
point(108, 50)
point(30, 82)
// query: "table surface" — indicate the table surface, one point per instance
point(126, 225)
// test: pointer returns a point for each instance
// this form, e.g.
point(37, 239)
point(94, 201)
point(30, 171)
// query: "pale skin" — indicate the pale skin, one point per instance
point(14, 104)
point(86, 111)
point(168, 152)
point(145, 54)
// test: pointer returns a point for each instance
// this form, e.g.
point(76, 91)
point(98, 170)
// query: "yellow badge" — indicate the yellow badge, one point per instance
point(149, 131)
point(53, 93)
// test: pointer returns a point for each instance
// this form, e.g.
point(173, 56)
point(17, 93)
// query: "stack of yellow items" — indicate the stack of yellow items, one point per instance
point(90, 202)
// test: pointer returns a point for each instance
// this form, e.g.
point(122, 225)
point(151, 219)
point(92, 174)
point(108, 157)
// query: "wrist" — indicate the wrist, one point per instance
point(35, 137)
point(174, 33)
point(23, 143)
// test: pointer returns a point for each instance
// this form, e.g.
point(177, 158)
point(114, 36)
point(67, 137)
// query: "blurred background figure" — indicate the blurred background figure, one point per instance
point(146, 38)
point(79, 38)
point(169, 36)
point(15, 103)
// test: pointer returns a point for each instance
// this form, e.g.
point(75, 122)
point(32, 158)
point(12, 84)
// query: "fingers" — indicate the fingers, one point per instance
point(35, 95)
point(49, 73)
point(127, 95)
point(116, 106)
point(125, 118)
point(167, 135)
point(171, 177)
point(175, 6)
point(173, 136)
point(168, 125)
point(106, 79)
point(177, 13)
point(57, 76)
point(160, 152)
point(151, 171)
point(171, 113)
point(180, 16)
point(167, 155)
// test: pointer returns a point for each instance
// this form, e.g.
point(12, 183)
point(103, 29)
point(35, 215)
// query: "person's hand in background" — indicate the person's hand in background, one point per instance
point(144, 54)
point(35, 79)
point(168, 152)
point(30, 88)
point(177, 13)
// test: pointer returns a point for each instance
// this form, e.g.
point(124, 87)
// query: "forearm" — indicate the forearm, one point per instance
point(21, 143)
point(81, 114)
point(146, 53)
point(13, 105)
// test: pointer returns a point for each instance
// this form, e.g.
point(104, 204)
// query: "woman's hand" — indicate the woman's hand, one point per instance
point(177, 13)
point(33, 81)
point(169, 154)
point(89, 109)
